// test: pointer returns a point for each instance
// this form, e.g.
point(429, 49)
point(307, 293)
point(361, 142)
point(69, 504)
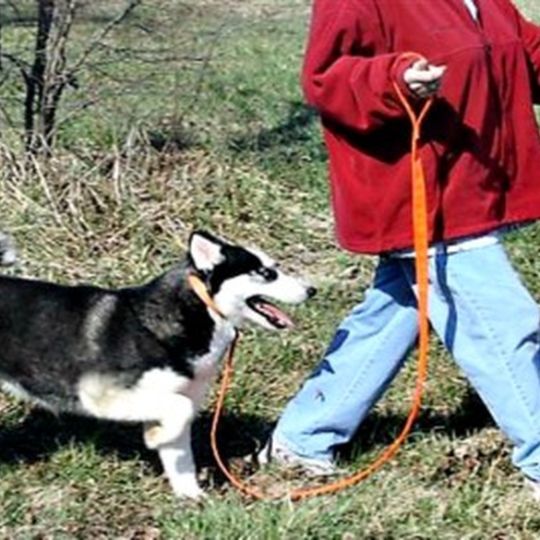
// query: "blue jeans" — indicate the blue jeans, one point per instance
point(483, 314)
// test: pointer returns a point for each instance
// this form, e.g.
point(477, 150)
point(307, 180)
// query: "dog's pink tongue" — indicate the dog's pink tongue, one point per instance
point(275, 313)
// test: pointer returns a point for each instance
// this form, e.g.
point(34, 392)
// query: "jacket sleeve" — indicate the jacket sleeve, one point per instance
point(530, 37)
point(531, 40)
point(342, 78)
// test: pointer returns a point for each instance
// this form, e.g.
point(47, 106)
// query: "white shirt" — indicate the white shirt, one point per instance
point(472, 7)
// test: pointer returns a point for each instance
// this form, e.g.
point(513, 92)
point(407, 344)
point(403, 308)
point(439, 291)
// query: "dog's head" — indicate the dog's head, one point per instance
point(243, 281)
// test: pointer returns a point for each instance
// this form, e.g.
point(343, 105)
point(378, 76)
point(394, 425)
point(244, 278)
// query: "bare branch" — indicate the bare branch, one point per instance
point(196, 95)
point(129, 87)
point(149, 55)
point(21, 64)
point(34, 81)
point(6, 115)
point(98, 38)
point(14, 7)
point(55, 77)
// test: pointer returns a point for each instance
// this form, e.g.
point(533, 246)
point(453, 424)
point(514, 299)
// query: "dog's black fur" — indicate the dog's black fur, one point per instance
point(49, 343)
point(141, 353)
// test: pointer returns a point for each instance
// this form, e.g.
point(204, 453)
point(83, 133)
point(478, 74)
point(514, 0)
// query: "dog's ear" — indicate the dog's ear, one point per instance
point(205, 250)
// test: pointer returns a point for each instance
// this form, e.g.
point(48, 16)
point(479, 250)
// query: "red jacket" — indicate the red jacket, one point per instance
point(481, 145)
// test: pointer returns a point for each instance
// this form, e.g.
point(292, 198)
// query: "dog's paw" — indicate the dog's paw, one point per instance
point(190, 491)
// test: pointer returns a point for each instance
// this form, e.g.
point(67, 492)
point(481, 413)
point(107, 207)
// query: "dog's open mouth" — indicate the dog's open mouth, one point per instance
point(270, 312)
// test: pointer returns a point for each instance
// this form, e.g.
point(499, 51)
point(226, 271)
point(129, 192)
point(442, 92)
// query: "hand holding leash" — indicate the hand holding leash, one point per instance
point(424, 79)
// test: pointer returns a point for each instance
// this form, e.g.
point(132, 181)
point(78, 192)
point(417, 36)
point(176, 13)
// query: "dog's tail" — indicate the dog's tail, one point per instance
point(8, 252)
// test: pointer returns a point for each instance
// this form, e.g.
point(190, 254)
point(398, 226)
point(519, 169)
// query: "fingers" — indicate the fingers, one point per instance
point(424, 79)
point(420, 65)
point(422, 71)
point(424, 90)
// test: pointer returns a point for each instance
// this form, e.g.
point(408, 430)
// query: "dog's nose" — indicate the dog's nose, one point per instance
point(311, 291)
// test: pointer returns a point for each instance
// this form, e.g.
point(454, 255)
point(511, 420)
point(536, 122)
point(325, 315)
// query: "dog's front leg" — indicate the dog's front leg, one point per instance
point(175, 413)
point(177, 459)
point(171, 437)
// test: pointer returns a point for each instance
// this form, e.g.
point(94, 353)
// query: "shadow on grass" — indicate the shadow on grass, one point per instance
point(282, 139)
point(40, 434)
point(382, 429)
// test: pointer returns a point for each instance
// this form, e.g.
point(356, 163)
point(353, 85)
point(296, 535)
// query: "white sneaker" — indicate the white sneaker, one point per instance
point(533, 487)
point(276, 452)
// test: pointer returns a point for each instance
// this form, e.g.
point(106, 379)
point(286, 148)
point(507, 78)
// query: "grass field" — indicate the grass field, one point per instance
point(244, 158)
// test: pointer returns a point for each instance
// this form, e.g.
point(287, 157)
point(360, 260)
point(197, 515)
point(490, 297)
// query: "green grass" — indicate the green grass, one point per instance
point(111, 210)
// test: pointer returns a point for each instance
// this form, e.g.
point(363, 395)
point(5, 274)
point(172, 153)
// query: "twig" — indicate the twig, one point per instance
point(197, 91)
point(48, 193)
point(14, 7)
point(95, 42)
point(21, 64)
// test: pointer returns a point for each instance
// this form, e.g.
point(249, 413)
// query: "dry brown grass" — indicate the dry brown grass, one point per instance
point(109, 208)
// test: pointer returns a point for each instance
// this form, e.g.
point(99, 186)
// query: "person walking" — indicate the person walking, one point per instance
point(480, 62)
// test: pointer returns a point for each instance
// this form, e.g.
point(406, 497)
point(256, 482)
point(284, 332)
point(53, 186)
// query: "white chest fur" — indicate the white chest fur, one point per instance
point(102, 396)
point(205, 366)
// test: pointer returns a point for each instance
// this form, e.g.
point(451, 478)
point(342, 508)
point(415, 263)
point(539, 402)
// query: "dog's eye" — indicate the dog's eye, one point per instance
point(269, 274)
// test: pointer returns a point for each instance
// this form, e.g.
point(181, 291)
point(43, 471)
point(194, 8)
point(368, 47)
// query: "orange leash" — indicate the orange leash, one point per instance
point(420, 228)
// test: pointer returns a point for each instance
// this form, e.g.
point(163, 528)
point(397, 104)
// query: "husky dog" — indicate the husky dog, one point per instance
point(140, 354)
